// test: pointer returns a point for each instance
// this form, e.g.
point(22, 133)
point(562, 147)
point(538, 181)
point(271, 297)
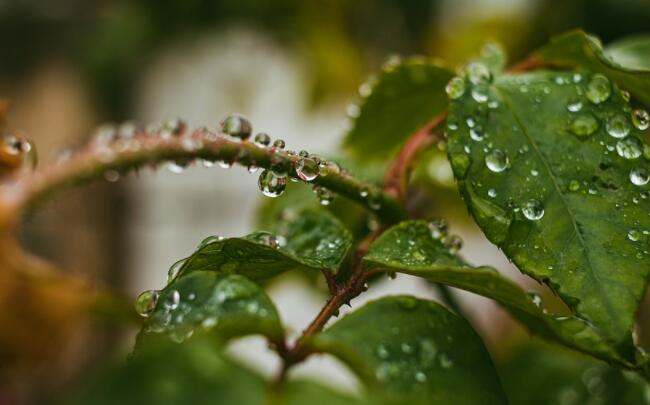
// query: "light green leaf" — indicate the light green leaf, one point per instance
point(553, 172)
point(225, 305)
point(577, 49)
point(632, 52)
point(414, 351)
point(166, 373)
point(410, 248)
point(308, 239)
point(404, 98)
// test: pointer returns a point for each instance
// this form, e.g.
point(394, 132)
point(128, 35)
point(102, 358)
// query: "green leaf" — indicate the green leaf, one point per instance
point(307, 239)
point(547, 185)
point(410, 248)
point(404, 98)
point(415, 351)
point(168, 373)
point(632, 52)
point(543, 374)
point(577, 49)
point(225, 305)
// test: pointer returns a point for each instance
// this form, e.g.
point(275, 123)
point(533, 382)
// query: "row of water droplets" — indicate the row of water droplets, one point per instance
point(19, 153)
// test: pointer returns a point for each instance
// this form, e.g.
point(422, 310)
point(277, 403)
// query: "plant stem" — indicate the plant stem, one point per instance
point(95, 161)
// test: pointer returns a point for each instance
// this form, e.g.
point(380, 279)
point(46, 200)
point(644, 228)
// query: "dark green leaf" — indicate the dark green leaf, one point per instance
point(404, 98)
point(577, 49)
point(168, 373)
point(541, 375)
point(307, 239)
point(225, 305)
point(410, 248)
point(308, 392)
point(632, 52)
point(414, 350)
point(547, 185)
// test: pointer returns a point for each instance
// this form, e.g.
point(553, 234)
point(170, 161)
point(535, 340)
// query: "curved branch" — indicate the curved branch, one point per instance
point(145, 148)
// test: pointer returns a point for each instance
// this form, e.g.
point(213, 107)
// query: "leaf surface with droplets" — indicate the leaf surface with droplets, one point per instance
point(208, 302)
point(557, 179)
point(577, 49)
point(309, 239)
point(415, 351)
point(410, 248)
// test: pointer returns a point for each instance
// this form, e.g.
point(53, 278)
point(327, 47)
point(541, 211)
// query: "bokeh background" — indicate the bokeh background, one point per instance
point(292, 67)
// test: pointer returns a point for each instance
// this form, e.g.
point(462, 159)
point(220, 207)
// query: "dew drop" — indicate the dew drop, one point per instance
point(438, 228)
point(172, 300)
point(574, 106)
point(617, 126)
point(480, 93)
point(146, 302)
point(175, 167)
point(455, 88)
point(477, 133)
point(262, 139)
point(634, 235)
point(496, 160)
point(454, 243)
point(210, 239)
point(533, 210)
point(492, 193)
point(629, 148)
point(639, 176)
point(278, 144)
point(307, 169)
point(325, 168)
point(325, 196)
point(420, 376)
point(584, 125)
point(640, 119)
point(598, 89)
point(271, 184)
point(237, 126)
point(574, 185)
point(478, 73)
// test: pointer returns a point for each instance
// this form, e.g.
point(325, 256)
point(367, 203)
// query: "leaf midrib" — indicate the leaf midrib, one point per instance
point(585, 252)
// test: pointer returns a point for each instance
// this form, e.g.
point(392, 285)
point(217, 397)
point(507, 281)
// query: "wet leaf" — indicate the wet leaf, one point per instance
point(194, 372)
point(536, 374)
point(307, 392)
point(557, 179)
point(411, 248)
point(404, 98)
point(204, 301)
point(307, 239)
point(414, 350)
point(578, 49)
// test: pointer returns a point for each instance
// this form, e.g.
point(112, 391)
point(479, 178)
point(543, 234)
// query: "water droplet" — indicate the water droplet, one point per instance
point(574, 106)
point(22, 148)
point(210, 239)
point(477, 133)
point(173, 127)
point(454, 243)
point(324, 195)
point(445, 361)
point(174, 269)
point(492, 192)
point(262, 139)
point(480, 93)
point(111, 176)
point(438, 228)
point(353, 110)
point(420, 376)
point(278, 144)
point(639, 176)
point(496, 160)
point(584, 125)
point(629, 148)
point(175, 167)
point(171, 300)
point(598, 89)
point(303, 153)
point(267, 239)
point(640, 119)
point(307, 169)
point(533, 210)
point(634, 235)
point(382, 352)
point(478, 73)
point(574, 185)
point(326, 168)
point(455, 88)
point(237, 126)
point(617, 126)
point(535, 298)
point(146, 302)
point(271, 184)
